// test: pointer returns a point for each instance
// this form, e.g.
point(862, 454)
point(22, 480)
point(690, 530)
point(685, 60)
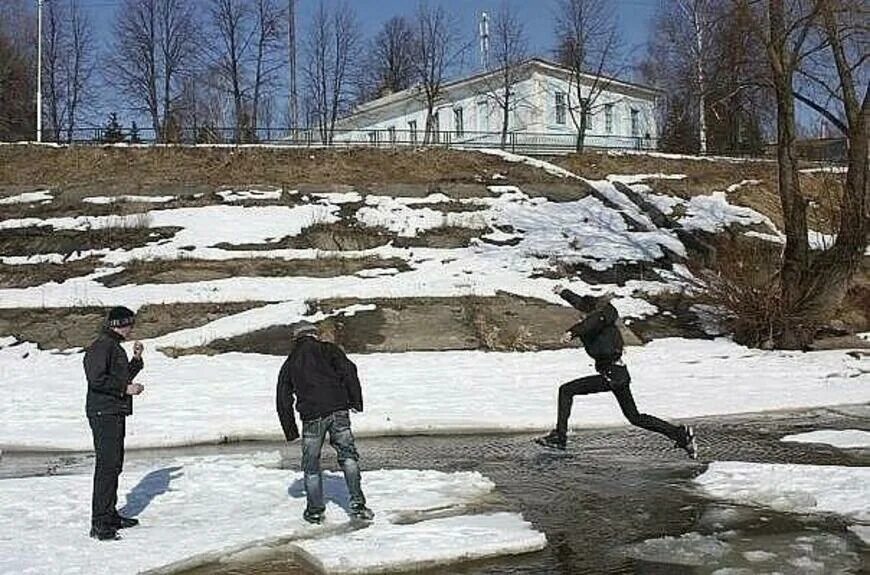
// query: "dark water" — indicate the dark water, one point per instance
point(612, 490)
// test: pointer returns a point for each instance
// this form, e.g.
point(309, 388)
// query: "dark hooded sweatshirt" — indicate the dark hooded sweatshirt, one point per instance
point(322, 380)
point(598, 331)
point(108, 372)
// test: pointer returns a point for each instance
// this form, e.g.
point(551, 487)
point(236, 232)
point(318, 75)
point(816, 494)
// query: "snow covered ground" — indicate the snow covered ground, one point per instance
point(198, 509)
point(194, 398)
point(844, 439)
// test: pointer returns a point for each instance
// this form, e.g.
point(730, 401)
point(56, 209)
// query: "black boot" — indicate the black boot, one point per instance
point(314, 517)
point(361, 512)
point(121, 522)
point(554, 440)
point(104, 533)
point(688, 443)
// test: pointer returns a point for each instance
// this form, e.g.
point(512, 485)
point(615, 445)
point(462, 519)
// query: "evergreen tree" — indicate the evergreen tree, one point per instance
point(134, 134)
point(113, 133)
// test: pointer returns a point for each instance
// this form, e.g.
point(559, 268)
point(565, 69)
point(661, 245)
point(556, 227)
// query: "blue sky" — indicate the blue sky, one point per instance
point(634, 17)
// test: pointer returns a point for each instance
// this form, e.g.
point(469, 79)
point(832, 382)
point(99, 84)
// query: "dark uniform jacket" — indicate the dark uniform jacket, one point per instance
point(108, 372)
point(598, 331)
point(321, 378)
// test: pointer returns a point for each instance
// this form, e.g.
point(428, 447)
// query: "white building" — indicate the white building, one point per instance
point(542, 114)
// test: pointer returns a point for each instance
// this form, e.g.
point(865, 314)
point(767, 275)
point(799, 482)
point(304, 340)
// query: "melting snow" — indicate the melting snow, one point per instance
point(414, 392)
point(845, 439)
point(199, 509)
point(43, 196)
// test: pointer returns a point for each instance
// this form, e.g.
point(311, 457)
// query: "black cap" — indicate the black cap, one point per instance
point(120, 316)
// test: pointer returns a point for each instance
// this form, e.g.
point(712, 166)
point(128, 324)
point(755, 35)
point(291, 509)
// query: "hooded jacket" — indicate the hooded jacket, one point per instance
point(109, 372)
point(320, 378)
point(598, 331)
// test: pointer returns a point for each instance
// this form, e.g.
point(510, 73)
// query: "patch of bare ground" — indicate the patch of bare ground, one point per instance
point(30, 275)
point(617, 274)
point(193, 270)
point(338, 236)
point(444, 237)
point(64, 328)
point(499, 323)
point(118, 170)
point(350, 236)
point(46, 240)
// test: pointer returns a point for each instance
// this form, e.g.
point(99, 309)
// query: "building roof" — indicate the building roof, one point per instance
point(543, 65)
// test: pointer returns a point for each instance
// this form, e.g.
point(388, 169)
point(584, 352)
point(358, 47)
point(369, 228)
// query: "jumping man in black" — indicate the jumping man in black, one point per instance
point(601, 338)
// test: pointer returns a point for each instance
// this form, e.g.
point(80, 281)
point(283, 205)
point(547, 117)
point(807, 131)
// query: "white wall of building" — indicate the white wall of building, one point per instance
point(619, 118)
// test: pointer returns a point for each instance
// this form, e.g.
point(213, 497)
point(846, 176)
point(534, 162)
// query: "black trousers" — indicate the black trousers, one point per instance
point(108, 432)
point(617, 380)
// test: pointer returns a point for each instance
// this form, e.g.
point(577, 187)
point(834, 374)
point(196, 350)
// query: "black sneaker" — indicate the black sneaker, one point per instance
point(689, 444)
point(122, 522)
point(554, 440)
point(313, 517)
point(361, 512)
point(104, 533)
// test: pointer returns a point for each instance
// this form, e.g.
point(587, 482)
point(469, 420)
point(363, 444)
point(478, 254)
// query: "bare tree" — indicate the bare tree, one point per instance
point(737, 106)
point(17, 70)
point(509, 50)
point(437, 49)
point(68, 64)
point(812, 283)
point(269, 58)
point(230, 20)
point(153, 51)
point(389, 63)
point(588, 45)
point(331, 48)
point(696, 12)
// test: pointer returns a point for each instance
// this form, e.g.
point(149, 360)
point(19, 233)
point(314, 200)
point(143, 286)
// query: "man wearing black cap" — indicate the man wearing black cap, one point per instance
point(601, 338)
point(325, 384)
point(109, 401)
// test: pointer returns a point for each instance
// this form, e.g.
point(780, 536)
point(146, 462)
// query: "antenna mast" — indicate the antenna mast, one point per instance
point(484, 40)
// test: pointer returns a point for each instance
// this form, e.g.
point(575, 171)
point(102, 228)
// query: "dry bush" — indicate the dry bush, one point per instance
point(743, 293)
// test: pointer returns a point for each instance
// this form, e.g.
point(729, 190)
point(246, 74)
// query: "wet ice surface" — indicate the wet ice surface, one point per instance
point(610, 492)
point(729, 553)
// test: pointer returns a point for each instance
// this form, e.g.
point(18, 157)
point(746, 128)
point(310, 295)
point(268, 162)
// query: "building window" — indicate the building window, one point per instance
point(412, 131)
point(586, 114)
point(635, 122)
point(608, 118)
point(482, 117)
point(391, 132)
point(458, 124)
point(561, 116)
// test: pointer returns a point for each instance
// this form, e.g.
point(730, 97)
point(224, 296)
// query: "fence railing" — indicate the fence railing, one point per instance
point(519, 141)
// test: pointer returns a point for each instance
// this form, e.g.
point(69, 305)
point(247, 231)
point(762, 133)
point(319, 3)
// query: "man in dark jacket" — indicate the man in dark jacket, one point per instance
point(602, 340)
point(325, 384)
point(109, 401)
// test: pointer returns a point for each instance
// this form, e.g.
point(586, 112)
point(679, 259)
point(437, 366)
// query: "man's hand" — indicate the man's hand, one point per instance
point(138, 348)
point(566, 337)
point(135, 389)
point(558, 289)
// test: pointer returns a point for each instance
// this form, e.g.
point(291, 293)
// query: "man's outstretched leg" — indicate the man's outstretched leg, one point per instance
point(341, 439)
point(557, 438)
point(682, 435)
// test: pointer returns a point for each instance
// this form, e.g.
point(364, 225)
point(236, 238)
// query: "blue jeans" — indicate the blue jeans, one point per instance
point(314, 432)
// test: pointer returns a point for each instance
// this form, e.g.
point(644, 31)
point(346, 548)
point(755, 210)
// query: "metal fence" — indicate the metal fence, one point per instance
point(519, 141)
